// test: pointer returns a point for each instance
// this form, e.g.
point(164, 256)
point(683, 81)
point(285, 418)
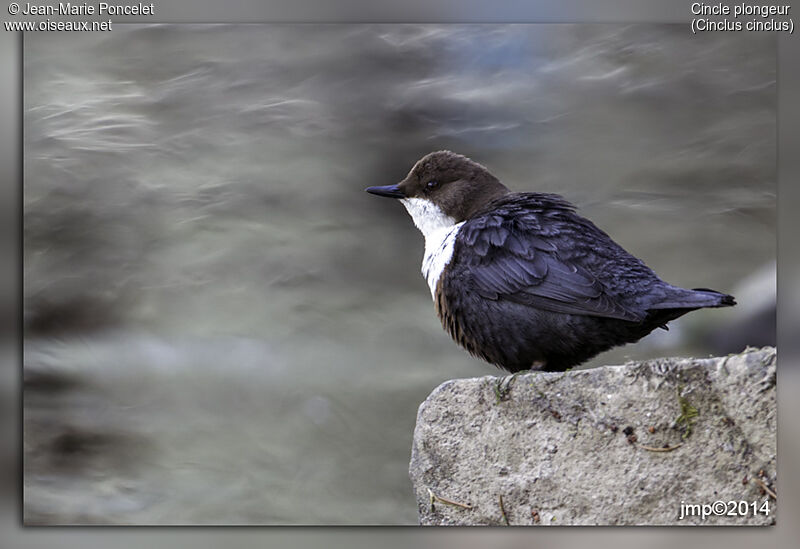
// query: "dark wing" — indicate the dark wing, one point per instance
point(533, 249)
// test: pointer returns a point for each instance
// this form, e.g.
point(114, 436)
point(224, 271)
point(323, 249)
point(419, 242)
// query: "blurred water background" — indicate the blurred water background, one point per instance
point(223, 328)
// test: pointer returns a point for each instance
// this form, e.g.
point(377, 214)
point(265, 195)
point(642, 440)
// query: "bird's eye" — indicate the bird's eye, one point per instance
point(432, 185)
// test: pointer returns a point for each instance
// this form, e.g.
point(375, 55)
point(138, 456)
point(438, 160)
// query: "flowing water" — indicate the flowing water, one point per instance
point(223, 328)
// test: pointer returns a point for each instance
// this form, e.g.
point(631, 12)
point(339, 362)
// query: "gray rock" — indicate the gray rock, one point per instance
point(631, 444)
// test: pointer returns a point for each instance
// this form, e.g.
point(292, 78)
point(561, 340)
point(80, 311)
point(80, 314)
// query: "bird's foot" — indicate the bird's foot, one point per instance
point(502, 387)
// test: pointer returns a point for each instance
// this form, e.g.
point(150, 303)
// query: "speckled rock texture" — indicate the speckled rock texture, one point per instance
point(637, 444)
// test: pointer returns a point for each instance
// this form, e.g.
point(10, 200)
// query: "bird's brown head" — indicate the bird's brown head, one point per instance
point(444, 188)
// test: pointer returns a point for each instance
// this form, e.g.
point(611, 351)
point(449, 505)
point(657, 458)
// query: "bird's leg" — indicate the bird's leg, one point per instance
point(537, 365)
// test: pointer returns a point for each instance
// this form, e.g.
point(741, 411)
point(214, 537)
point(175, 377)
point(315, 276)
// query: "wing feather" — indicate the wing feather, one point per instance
point(523, 253)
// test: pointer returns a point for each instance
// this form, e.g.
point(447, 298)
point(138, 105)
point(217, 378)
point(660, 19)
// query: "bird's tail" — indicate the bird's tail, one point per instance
point(697, 298)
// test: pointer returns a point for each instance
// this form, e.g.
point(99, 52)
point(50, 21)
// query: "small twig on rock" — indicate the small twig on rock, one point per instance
point(688, 414)
point(766, 488)
point(503, 509)
point(654, 449)
point(440, 499)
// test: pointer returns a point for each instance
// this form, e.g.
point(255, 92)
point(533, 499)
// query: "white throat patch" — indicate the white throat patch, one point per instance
point(440, 232)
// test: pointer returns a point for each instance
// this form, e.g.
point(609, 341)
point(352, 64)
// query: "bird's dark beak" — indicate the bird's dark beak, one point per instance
point(390, 191)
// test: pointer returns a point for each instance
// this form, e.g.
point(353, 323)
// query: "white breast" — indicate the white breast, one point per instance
point(438, 253)
point(440, 232)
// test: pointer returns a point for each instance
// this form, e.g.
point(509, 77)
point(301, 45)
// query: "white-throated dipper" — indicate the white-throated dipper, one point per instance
point(520, 279)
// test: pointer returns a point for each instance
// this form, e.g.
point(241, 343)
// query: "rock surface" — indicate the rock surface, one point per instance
point(632, 444)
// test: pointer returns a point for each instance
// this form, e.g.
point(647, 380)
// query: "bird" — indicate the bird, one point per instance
point(520, 279)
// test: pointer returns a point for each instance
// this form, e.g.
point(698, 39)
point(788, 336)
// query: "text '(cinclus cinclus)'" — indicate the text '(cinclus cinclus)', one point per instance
point(520, 279)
